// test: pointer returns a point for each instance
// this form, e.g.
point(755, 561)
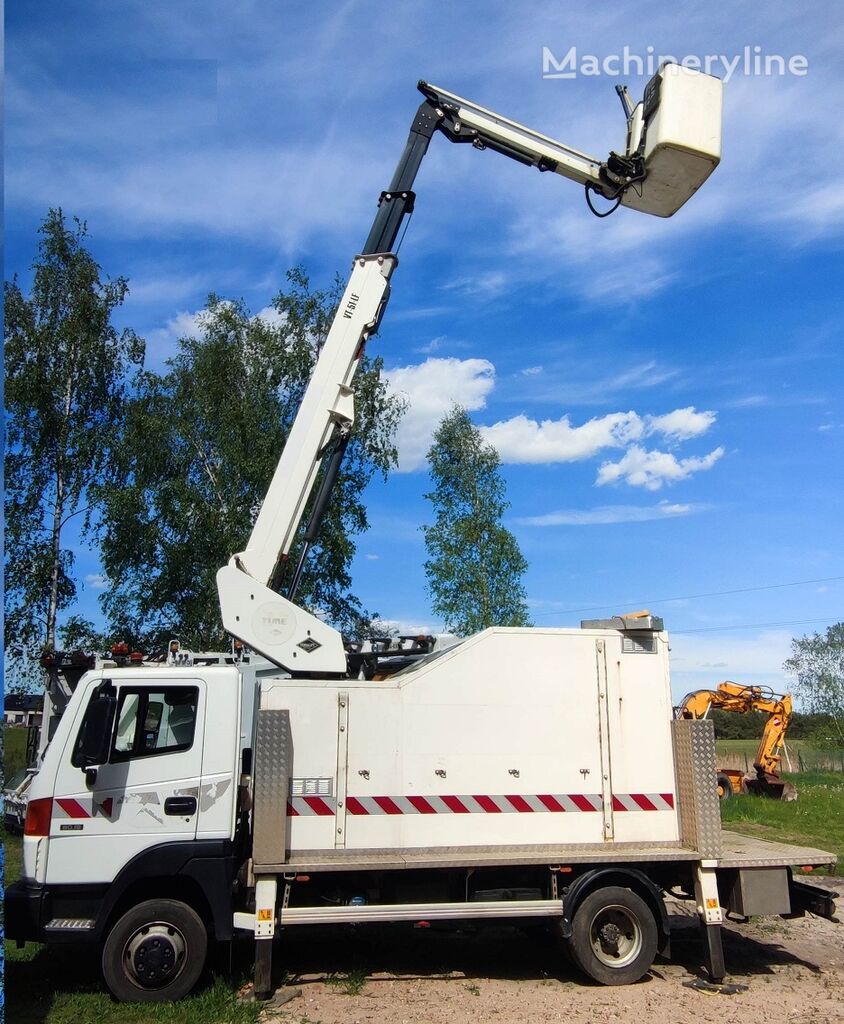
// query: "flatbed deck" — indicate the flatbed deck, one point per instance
point(737, 851)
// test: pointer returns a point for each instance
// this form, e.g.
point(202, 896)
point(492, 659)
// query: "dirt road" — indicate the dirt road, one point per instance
point(794, 971)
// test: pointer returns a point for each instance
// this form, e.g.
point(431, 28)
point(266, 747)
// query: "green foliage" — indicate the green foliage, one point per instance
point(200, 445)
point(14, 750)
point(816, 728)
point(817, 661)
point(730, 726)
point(474, 566)
point(66, 368)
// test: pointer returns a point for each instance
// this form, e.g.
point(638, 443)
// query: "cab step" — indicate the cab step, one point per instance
point(70, 924)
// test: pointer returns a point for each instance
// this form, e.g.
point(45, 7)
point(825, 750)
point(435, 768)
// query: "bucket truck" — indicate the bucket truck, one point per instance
point(505, 777)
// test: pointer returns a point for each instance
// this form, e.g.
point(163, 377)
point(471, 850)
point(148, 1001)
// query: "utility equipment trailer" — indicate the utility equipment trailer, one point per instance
point(520, 773)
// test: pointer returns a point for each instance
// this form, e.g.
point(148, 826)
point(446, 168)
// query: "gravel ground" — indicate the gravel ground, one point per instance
point(793, 970)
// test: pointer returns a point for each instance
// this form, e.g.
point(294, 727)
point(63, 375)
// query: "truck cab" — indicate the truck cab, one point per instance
point(136, 795)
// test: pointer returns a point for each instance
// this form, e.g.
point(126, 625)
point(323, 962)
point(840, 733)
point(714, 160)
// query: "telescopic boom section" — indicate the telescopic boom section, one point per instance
point(484, 129)
point(252, 609)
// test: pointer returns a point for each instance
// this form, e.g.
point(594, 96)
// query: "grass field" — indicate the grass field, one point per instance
point(14, 751)
point(816, 818)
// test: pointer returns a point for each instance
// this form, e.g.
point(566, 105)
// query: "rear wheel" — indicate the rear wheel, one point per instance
point(614, 936)
point(155, 953)
point(725, 790)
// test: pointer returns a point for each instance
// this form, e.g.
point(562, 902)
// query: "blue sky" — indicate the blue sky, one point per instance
point(665, 395)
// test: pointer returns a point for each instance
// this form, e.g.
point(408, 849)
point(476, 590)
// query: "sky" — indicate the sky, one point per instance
point(665, 395)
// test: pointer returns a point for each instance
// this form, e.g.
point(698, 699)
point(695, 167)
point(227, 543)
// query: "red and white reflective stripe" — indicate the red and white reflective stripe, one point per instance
point(311, 806)
point(643, 801)
point(65, 807)
point(322, 806)
point(68, 807)
point(477, 804)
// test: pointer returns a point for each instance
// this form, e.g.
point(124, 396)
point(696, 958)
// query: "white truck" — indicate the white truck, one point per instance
point(519, 773)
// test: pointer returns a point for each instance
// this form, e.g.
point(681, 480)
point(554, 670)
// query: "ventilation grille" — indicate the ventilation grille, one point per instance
point(638, 645)
point(311, 787)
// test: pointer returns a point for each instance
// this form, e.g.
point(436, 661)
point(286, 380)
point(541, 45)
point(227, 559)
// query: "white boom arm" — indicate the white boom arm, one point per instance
point(666, 157)
point(486, 129)
point(254, 613)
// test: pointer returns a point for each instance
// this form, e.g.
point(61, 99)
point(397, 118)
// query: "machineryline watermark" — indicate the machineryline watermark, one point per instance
point(751, 61)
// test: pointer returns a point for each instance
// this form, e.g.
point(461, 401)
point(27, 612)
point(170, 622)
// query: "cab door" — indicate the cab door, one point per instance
point(145, 794)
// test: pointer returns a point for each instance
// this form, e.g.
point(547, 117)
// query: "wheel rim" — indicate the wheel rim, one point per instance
point(155, 955)
point(615, 936)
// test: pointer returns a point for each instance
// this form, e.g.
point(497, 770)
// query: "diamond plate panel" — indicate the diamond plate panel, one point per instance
point(273, 768)
point(697, 794)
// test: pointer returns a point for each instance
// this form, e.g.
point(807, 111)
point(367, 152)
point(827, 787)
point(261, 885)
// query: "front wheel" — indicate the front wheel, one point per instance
point(614, 936)
point(155, 953)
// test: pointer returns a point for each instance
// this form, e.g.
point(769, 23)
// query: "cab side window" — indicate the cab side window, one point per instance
point(154, 721)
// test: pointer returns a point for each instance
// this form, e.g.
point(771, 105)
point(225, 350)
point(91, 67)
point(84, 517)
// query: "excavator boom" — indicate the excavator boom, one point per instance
point(729, 696)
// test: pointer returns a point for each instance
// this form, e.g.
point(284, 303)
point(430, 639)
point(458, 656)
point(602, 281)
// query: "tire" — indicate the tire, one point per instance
point(614, 936)
point(155, 952)
point(725, 790)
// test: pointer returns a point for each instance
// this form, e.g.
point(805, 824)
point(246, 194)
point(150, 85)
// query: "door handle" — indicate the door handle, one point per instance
point(180, 805)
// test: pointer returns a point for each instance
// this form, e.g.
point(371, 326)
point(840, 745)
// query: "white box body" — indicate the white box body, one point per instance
point(513, 737)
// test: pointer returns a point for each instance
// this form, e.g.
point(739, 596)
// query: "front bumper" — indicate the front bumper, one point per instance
point(27, 910)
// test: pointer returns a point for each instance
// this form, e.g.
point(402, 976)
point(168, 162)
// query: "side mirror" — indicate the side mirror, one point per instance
point(94, 738)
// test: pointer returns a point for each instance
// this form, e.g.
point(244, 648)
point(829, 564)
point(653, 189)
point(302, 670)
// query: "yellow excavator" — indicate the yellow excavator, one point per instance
point(765, 779)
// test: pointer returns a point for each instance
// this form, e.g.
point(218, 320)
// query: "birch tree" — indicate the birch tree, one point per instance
point(201, 444)
point(474, 565)
point(66, 380)
point(817, 663)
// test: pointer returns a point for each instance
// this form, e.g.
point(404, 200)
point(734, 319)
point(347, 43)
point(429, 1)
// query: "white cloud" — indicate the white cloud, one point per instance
point(652, 469)
point(97, 580)
point(372, 558)
point(681, 424)
point(272, 191)
point(161, 342)
point(609, 514)
point(486, 284)
point(433, 345)
point(431, 389)
point(184, 324)
point(524, 440)
point(531, 371)
point(642, 375)
point(271, 316)
point(587, 381)
point(165, 288)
